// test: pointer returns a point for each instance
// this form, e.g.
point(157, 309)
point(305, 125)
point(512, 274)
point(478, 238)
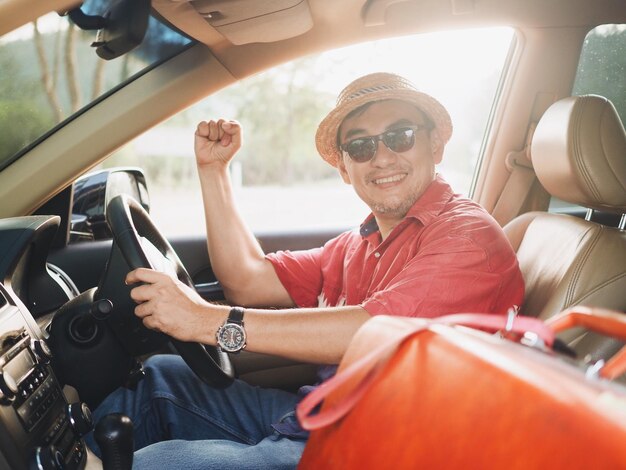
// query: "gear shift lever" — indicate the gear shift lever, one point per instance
point(114, 435)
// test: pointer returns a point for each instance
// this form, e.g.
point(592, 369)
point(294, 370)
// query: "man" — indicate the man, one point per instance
point(424, 251)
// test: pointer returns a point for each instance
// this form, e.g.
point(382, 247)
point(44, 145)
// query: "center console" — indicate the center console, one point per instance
point(39, 429)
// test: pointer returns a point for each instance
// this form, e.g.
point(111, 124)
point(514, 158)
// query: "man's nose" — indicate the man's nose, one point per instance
point(384, 156)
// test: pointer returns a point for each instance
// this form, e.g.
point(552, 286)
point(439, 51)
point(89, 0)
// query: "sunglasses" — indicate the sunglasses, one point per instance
point(397, 140)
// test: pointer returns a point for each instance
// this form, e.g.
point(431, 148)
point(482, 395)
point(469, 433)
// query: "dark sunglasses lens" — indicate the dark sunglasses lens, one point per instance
point(361, 150)
point(399, 140)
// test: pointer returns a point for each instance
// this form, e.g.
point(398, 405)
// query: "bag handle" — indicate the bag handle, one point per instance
point(606, 322)
point(365, 369)
point(512, 324)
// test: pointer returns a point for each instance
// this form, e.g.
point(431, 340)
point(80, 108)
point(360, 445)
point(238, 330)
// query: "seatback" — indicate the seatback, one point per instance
point(579, 155)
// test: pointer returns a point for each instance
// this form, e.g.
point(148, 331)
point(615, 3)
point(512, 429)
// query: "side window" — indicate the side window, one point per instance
point(280, 181)
point(601, 71)
point(602, 66)
point(49, 71)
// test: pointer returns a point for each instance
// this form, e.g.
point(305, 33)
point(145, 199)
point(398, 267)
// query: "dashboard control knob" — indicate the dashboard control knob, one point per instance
point(42, 350)
point(80, 418)
point(8, 387)
point(101, 309)
point(48, 458)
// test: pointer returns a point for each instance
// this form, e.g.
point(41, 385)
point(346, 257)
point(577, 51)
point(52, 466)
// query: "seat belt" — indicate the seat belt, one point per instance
point(522, 179)
point(519, 183)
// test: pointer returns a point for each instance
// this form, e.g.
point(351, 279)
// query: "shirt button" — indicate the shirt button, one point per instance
point(377, 254)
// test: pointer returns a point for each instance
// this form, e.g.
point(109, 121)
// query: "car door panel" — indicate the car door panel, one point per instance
point(85, 261)
point(193, 252)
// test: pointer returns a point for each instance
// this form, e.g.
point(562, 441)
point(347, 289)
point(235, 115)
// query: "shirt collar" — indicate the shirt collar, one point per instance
point(426, 208)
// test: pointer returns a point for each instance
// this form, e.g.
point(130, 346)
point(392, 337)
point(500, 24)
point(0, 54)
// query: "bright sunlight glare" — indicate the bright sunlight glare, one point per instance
point(47, 24)
point(434, 62)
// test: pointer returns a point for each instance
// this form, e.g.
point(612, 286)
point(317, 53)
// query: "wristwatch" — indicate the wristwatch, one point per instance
point(231, 336)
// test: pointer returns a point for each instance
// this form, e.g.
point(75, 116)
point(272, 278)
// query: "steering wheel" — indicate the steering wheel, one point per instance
point(129, 223)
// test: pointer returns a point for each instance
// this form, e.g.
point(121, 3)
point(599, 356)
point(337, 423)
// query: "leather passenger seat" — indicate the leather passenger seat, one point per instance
point(578, 152)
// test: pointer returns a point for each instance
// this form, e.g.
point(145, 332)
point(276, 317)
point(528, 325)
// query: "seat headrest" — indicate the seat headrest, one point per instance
point(579, 153)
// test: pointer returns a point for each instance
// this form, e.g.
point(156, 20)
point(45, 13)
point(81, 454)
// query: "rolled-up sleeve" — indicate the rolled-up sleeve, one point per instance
point(300, 273)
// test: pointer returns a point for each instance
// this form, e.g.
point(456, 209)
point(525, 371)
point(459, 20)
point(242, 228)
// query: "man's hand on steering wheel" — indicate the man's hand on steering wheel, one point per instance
point(171, 307)
point(182, 316)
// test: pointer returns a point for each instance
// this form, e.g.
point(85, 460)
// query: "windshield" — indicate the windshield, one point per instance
point(50, 72)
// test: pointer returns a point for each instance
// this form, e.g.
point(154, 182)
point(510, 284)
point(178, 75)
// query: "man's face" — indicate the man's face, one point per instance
point(390, 182)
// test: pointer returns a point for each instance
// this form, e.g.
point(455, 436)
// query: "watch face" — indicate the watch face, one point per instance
point(231, 337)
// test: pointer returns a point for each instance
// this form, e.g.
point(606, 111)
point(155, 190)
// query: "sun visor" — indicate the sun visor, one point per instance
point(246, 21)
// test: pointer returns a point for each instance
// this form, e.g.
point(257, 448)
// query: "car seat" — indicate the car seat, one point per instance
point(578, 152)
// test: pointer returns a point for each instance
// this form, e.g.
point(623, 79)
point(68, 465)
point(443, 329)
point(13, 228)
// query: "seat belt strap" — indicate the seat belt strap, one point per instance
point(518, 185)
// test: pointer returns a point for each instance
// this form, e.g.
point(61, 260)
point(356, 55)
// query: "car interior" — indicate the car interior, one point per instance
point(67, 329)
point(577, 152)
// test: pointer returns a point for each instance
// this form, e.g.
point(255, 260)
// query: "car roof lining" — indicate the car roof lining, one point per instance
point(401, 18)
point(394, 17)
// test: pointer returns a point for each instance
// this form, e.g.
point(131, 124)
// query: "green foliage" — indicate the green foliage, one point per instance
point(280, 110)
point(41, 86)
point(22, 119)
point(160, 170)
point(21, 122)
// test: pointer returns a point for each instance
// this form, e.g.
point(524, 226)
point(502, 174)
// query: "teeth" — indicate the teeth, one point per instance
point(389, 179)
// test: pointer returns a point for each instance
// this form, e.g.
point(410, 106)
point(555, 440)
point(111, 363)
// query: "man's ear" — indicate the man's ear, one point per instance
point(436, 146)
point(341, 166)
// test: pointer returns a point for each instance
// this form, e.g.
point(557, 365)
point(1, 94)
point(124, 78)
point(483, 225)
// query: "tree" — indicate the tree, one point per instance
point(52, 73)
point(48, 76)
point(21, 117)
point(280, 110)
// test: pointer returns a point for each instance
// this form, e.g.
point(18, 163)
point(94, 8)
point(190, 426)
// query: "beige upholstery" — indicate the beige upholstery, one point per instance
point(579, 155)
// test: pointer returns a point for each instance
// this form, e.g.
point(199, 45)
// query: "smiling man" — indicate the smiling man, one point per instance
point(396, 180)
point(423, 252)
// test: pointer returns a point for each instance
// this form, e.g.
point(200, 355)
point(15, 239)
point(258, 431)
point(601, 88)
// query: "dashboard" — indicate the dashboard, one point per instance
point(39, 428)
point(24, 246)
point(52, 335)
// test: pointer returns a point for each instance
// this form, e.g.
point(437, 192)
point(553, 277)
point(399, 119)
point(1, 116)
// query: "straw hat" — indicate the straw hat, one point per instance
point(377, 87)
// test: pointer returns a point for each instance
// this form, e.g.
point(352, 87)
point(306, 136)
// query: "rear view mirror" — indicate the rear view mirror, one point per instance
point(121, 29)
point(125, 27)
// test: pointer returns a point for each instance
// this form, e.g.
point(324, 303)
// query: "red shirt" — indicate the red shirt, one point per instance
point(448, 255)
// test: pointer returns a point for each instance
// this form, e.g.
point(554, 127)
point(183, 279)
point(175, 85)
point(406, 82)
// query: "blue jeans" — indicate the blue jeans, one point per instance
point(182, 423)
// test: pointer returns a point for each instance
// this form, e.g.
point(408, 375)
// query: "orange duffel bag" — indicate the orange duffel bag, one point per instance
point(413, 393)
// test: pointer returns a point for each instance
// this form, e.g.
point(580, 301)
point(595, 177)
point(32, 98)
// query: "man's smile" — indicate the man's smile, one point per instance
point(389, 179)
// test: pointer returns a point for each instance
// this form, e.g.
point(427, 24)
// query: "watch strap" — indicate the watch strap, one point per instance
point(236, 315)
